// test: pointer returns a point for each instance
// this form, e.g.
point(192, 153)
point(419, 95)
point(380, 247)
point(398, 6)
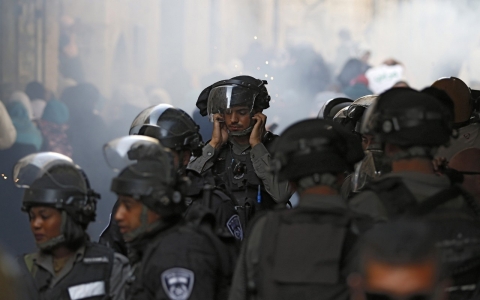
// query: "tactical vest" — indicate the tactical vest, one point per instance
point(202, 192)
point(89, 278)
point(246, 187)
point(456, 231)
point(304, 254)
point(202, 226)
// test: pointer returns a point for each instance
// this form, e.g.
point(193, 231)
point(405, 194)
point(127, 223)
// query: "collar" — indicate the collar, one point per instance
point(237, 148)
point(45, 261)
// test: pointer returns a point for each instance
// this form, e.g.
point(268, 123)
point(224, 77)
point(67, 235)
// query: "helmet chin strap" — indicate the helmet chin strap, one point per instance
point(143, 229)
point(54, 242)
point(243, 132)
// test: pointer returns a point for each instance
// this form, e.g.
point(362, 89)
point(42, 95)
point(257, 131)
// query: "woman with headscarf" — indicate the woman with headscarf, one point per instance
point(53, 126)
point(8, 134)
point(38, 96)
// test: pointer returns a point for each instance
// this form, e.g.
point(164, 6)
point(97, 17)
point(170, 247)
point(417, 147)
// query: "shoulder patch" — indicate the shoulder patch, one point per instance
point(235, 227)
point(178, 283)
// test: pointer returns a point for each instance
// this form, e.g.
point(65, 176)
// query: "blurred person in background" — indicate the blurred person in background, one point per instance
point(398, 260)
point(351, 70)
point(358, 87)
point(15, 239)
point(67, 265)
point(8, 133)
point(87, 135)
point(70, 63)
point(54, 126)
point(38, 98)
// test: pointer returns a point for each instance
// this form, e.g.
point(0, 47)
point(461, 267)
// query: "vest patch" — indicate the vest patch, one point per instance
point(178, 283)
point(95, 260)
point(87, 290)
point(235, 227)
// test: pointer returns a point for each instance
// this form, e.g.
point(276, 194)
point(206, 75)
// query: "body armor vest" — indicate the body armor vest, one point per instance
point(242, 182)
point(89, 278)
point(141, 283)
point(294, 267)
point(456, 231)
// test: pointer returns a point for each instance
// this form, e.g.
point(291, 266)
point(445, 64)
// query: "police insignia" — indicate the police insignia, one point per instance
point(235, 227)
point(178, 283)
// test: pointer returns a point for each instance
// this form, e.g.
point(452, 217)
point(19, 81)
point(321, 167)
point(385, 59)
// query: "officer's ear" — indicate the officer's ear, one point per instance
point(355, 284)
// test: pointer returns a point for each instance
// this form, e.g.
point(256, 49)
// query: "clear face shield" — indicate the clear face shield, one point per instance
point(224, 99)
point(125, 151)
point(142, 157)
point(372, 166)
point(34, 166)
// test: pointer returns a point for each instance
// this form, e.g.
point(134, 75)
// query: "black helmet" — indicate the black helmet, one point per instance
point(332, 107)
point(237, 91)
point(315, 146)
point(240, 90)
point(147, 173)
point(407, 117)
point(352, 116)
point(173, 127)
point(53, 179)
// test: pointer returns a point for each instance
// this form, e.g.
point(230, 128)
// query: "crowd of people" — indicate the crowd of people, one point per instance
point(386, 177)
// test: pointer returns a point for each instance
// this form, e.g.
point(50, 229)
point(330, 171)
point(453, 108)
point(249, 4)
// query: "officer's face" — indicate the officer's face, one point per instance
point(237, 118)
point(45, 223)
point(129, 213)
point(397, 282)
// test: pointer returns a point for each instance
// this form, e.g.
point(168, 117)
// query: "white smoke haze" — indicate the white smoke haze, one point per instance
point(142, 52)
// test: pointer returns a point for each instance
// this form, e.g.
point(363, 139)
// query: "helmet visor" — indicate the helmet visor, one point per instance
point(369, 119)
point(223, 98)
point(34, 166)
point(127, 150)
point(366, 170)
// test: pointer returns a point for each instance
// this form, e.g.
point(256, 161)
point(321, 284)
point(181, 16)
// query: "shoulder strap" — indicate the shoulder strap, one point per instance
point(435, 200)
point(394, 195)
point(443, 197)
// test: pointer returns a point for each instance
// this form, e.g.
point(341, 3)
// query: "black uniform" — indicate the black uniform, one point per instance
point(183, 261)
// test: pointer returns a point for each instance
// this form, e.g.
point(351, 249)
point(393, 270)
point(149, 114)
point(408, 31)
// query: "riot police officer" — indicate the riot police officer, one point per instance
point(239, 148)
point(304, 252)
point(411, 125)
point(177, 131)
point(60, 205)
point(171, 258)
point(372, 165)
